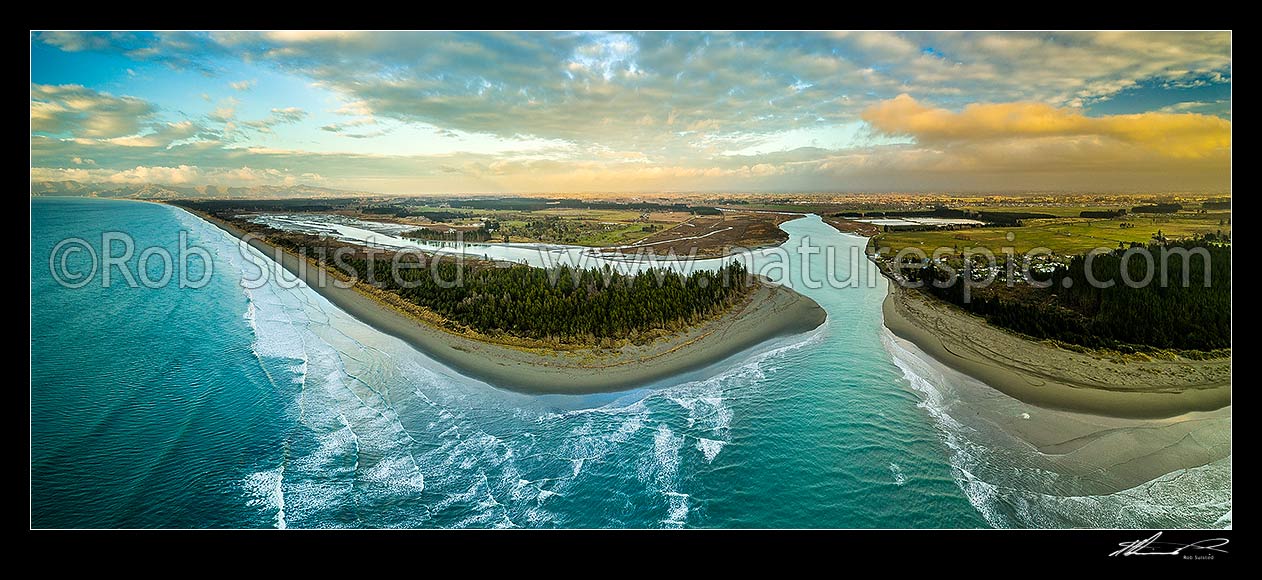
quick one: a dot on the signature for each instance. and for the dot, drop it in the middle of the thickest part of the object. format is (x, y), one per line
(1151, 547)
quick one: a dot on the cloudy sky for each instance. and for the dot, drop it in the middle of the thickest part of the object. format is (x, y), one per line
(621, 112)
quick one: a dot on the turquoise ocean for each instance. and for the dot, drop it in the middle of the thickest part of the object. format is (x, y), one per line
(224, 406)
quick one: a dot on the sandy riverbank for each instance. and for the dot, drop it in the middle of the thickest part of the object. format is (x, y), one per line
(1047, 376)
(771, 311)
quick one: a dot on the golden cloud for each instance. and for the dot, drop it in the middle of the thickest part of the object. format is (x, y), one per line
(1173, 135)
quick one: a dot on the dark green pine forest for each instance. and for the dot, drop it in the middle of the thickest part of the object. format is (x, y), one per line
(580, 306)
(561, 304)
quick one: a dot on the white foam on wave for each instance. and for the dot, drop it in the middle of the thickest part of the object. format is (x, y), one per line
(1223, 521)
(519, 491)
(705, 407)
(332, 448)
(398, 474)
(487, 510)
(265, 489)
(619, 407)
(897, 472)
(666, 447)
(496, 492)
(281, 354)
(662, 470)
(1196, 497)
(627, 429)
(677, 510)
(344, 420)
(277, 334)
(593, 434)
(710, 448)
(276, 341)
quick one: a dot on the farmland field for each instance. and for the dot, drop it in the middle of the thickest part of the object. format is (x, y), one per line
(1070, 235)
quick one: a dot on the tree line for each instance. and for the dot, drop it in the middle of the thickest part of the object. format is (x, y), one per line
(1157, 208)
(1195, 316)
(561, 304)
(474, 236)
(1003, 218)
(1103, 213)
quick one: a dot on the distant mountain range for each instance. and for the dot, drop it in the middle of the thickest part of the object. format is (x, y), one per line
(155, 191)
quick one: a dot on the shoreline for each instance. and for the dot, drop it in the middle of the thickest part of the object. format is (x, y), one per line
(1090, 455)
(1098, 426)
(772, 311)
(1046, 376)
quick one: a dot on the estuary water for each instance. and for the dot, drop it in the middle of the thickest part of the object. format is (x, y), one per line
(224, 406)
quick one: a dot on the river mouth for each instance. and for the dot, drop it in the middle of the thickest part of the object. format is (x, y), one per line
(272, 407)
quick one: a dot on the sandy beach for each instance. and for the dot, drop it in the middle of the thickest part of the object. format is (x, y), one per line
(770, 311)
(1051, 377)
(1086, 426)
(1075, 460)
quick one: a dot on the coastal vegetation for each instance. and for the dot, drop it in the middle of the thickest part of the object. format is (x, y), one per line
(560, 305)
(469, 235)
(1055, 299)
(1182, 300)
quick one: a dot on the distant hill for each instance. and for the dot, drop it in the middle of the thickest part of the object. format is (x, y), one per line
(155, 191)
